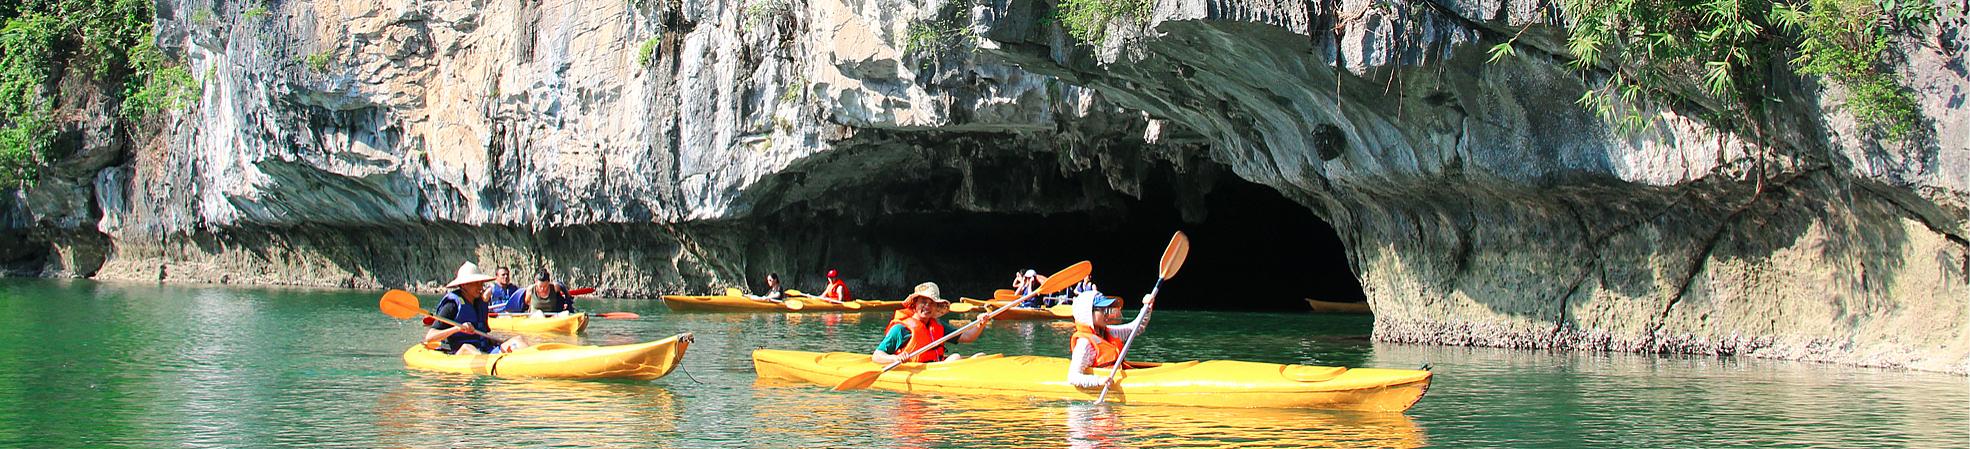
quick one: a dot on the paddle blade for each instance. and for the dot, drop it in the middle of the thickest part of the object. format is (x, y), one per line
(860, 381)
(400, 304)
(1061, 310)
(961, 307)
(794, 304)
(1004, 295)
(792, 292)
(1067, 277)
(1173, 256)
(581, 291)
(734, 292)
(618, 316)
(852, 305)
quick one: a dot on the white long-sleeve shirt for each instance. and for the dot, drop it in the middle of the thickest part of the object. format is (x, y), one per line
(1078, 366)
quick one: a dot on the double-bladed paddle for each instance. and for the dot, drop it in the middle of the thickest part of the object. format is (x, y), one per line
(1067, 277)
(1173, 256)
(794, 303)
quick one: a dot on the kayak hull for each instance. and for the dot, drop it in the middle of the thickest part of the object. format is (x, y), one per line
(728, 303)
(1217, 383)
(571, 324)
(641, 361)
(1337, 307)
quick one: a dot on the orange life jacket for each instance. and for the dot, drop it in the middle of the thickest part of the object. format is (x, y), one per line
(1107, 348)
(920, 335)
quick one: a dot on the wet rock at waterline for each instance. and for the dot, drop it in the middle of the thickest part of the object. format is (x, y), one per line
(650, 147)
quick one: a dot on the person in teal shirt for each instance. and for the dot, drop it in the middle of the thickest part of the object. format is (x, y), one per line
(916, 326)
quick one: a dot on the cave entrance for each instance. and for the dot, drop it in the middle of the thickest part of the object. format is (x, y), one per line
(1251, 247)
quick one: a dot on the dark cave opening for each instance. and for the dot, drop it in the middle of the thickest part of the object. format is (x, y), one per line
(1251, 247)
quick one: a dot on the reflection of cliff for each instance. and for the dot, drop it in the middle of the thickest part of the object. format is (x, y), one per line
(1473, 203)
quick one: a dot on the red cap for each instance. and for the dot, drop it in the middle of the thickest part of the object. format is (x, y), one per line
(831, 273)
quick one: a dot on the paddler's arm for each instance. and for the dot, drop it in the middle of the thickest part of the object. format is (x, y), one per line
(1141, 319)
(891, 343)
(439, 330)
(972, 335)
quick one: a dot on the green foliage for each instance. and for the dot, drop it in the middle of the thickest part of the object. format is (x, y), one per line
(1713, 53)
(318, 61)
(257, 11)
(164, 87)
(203, 17)
(1087, 20)
(648, 52)
(936, 36)
(27, 51)
(1845, 41)
(764, 11)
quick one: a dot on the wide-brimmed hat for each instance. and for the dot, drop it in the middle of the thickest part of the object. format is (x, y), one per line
(1086, 302)
(468, 274)
(927, 290)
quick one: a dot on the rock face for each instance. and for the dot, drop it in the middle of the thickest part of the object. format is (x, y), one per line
(655, 146)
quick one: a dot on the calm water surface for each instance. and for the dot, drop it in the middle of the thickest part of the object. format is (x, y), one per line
(85, 364)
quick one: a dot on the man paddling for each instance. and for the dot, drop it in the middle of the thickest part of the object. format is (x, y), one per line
(922, 325)
(469, 337)
(503, 295)
(1096, 344)
(837, 291)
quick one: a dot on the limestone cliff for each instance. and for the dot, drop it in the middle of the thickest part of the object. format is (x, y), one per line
(651, 146)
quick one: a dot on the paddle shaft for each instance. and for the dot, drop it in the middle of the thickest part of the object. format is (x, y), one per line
(1121, 358)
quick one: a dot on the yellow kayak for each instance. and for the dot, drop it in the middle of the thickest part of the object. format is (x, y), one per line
(570, 324)
(1024, 313)
(1216, 383)
(641, 361)
(730, 303)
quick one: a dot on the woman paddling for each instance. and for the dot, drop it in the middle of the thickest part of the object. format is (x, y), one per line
(470, 336)
(923, 324)
(1096, 344)
(549, 296)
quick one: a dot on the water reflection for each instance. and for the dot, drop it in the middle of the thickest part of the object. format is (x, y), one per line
(997, 422)
(436, 407)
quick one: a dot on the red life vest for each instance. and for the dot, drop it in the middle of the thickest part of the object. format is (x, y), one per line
(1107, 348)
(837, 290)
(920, 335)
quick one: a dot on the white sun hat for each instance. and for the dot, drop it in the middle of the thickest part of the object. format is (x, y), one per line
(468, 274)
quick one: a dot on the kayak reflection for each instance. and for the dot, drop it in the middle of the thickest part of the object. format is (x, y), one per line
(429, 407)
(927, 421)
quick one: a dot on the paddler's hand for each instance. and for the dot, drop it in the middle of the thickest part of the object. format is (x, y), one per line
(466, 328)
(1148, 300)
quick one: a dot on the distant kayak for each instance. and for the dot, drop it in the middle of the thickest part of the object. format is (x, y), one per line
(1337, 307)
(520, 322)
(641, 361)
(1216, 383)
(1026, 313)
(730, 303)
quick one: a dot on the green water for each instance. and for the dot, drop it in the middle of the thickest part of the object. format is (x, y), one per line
(86, 364)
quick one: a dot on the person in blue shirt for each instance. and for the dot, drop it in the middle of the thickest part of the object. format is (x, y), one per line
(466, 305)
(503, 296)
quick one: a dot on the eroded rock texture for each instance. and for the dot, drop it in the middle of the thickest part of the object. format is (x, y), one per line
(654, 146)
